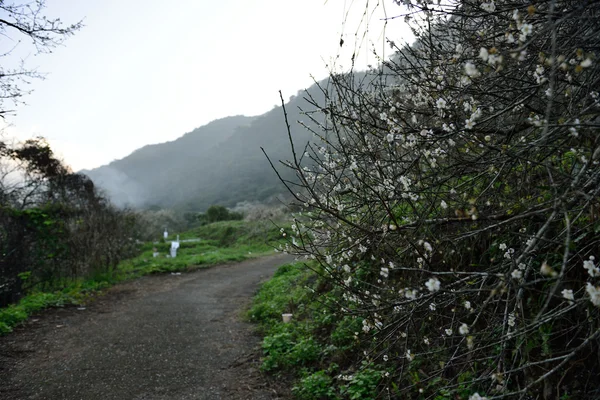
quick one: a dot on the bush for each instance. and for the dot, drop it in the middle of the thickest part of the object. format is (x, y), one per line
(216, 213)
(54, 226)
(363, 384)
(315, 386)
(451, 198)
(277, 347)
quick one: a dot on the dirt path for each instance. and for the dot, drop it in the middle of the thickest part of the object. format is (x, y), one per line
(159, 337)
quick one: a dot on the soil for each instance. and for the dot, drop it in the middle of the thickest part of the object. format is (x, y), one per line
(156, 338)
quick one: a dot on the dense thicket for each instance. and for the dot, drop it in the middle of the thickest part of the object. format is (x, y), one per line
(454, 208)
(54, 226)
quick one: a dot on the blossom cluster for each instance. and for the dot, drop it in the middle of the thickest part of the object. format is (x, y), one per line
(453, 199)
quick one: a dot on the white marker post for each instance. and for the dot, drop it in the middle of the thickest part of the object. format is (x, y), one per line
(174, 247)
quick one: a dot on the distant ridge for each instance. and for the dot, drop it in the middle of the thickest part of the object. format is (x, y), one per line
(218, 163)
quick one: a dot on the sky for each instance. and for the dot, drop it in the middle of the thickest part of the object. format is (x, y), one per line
(142, 72)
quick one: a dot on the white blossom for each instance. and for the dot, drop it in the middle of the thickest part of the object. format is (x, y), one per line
(471, 70)
(366, 327)
(433, 284)
(526, 29)
(594, 293)
(568, 294)
(410, 294)
(483, 54)
(591, 267)
(464, 329)
(586, 63)
(489, 7)
(511, 319)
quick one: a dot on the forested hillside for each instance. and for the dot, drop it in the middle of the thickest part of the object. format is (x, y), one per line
(219, 163)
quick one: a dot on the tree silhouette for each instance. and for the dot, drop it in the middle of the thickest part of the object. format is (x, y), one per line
(26, 27)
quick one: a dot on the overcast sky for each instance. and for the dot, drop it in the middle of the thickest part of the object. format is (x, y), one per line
(148, 71)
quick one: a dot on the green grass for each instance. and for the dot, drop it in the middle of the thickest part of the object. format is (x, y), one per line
(317, 345)
(217, 243)
(286, 345)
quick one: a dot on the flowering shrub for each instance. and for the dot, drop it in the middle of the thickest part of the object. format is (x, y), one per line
(452, 195)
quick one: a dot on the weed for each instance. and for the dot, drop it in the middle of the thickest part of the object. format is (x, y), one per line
(317, 385)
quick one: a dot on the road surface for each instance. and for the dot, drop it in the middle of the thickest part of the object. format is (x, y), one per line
(164, 337)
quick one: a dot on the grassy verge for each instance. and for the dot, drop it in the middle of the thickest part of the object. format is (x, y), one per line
(217, 243)
(317, 349)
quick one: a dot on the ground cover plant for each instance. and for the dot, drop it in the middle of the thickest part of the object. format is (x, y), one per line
(451, 201)
(318, 349)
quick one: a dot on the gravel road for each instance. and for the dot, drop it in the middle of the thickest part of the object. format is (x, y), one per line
(156, 338)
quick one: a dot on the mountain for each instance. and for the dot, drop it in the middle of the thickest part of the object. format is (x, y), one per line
(218, 163)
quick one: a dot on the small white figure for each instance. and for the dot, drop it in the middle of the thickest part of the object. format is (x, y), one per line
(174, 247)
(166, 234)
